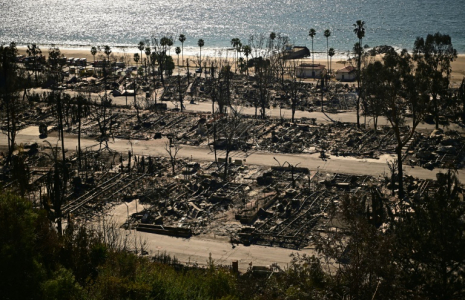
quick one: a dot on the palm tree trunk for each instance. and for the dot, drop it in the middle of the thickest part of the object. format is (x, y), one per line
(359, 64)
(237, 52)
(330, 61)
(313, 60)
(327, 50)
(179, 87)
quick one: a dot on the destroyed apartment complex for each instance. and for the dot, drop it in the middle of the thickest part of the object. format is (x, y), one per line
(254, 157)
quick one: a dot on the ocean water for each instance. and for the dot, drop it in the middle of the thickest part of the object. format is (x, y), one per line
(81, 23)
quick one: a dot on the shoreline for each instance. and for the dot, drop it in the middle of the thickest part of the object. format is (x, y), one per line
(126, 53)
(188, 50)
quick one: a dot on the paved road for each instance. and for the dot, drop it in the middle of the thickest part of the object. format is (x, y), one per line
(346, 117)
(197, 249)
(206, 106)
(347, 165)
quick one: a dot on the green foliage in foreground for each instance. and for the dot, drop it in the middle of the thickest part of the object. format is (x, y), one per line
(36, 263)
(418, 253)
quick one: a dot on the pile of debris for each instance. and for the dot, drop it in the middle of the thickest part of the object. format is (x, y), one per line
(439, 150)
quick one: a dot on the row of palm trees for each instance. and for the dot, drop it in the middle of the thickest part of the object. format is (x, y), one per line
(145, 47)
(106, 49)
(330, 52)
(359, 30)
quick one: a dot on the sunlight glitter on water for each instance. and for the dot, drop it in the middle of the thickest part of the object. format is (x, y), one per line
(121, 22)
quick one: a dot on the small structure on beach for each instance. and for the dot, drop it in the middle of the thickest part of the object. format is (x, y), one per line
(310, 70)
(348, 73)
(296, 52)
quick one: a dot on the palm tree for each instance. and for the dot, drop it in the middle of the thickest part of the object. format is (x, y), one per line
(93, 51)
(241, 64)
(359, 30)
(164, 41)
(201, 43)
(238, 50)
(153, 61)
(331, 53)
(178, 50)
(141, 47)
(34, 50)
(148, 51)
(272, 37)
(236, 43)
(107, 51)
(54, 55)
(327, 34)
(182, 39)
(247, 50)
(99, 49)
(312, 33)
(136, 58)
(170, 43)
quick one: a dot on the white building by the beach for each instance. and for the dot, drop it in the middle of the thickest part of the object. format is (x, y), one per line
(348, 73)
(310, 71)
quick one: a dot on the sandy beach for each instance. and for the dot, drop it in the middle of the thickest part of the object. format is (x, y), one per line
(123, 54)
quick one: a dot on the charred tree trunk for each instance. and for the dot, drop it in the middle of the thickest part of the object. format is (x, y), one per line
(436, 111)
(188, 74)
(179, 91)
(400, 173)
(79, 133)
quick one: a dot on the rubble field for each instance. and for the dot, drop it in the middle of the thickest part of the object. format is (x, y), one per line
(280, 206)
